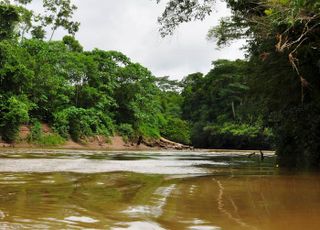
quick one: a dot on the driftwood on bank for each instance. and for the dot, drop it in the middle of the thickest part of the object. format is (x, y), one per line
(167, 144)
(253, 154)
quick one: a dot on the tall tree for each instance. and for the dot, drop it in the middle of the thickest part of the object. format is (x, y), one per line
(57, 14)
(9, 18)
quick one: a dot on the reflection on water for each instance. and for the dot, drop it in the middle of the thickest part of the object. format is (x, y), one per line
(192, 190)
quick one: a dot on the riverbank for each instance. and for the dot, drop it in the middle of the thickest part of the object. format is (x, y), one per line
(95, 143)
(114, 143)
(125, 149)
(49, 139)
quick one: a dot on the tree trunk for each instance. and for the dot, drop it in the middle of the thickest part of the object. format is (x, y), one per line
(53, 30)
(233, 110)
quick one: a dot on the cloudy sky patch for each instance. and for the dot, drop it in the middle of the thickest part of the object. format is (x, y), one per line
(130, 26)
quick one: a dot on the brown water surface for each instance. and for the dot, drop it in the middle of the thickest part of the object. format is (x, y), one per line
(165, 190)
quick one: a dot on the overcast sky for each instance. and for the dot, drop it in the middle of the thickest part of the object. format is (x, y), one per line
(130, 26)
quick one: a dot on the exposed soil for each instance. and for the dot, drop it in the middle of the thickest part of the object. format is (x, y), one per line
(96, 142)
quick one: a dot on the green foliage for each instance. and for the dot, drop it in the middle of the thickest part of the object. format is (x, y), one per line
(37, 136)
(50, 140)
(218, 107)
(14, 112)
(80, 123)
(59, 15)
(78, 93)
(72, 44)
(177, 12)
(238, 136)
(35, 132)
(146, 130)
(9, 18)
(19, 21)
(172, 126)
(16, 66)
(224, 87)
(136, 96)
(126, 131)
(176, 130)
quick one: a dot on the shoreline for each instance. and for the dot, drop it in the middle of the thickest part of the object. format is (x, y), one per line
(138, 149)
(116, 143)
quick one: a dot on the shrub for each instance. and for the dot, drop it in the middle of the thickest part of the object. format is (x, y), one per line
(14, 112)
(126, 131)
(176, 130)
(35, 132)
(37, 137)
(61, 123)
(237, 135)
(148, 131)
(80, 123)
(50, 140)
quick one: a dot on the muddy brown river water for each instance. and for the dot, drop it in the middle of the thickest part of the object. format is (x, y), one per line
(56, 189)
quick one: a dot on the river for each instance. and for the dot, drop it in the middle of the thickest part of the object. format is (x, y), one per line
(77, 189)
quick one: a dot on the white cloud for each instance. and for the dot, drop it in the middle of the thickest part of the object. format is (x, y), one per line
(130, 26)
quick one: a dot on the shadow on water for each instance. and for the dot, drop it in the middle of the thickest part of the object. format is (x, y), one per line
(76, 190)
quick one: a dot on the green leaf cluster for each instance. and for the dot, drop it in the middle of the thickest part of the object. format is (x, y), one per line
(220, 110)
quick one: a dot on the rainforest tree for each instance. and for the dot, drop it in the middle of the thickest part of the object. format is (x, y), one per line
(218, 106)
